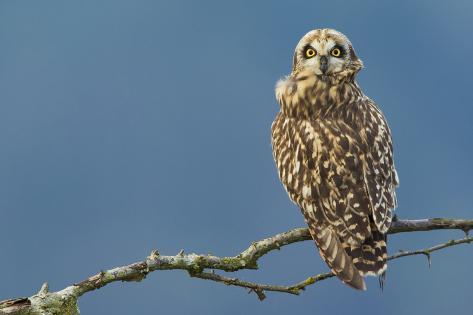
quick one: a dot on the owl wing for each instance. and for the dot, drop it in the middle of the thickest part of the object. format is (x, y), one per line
(347, 169)
(380, 174)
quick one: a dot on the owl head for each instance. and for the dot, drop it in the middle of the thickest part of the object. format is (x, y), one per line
(326, 52)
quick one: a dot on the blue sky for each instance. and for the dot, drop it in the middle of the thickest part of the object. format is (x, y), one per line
(132, 125)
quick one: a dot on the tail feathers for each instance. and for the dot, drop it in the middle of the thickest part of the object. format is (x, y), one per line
(333, 253)
(370, 257)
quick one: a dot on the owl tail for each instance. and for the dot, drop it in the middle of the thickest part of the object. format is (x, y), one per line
(333, 253)
(370, 258)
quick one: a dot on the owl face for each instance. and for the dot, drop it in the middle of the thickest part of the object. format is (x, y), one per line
(326, 52)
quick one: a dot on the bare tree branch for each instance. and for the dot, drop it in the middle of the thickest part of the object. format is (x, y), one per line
(426, 251)
(430, 224)
(296, 288)
(65, 301)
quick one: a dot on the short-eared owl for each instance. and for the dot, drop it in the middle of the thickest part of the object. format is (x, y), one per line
(334, 154)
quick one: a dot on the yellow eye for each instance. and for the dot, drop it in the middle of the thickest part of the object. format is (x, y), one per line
(310, 52)
(336, 52)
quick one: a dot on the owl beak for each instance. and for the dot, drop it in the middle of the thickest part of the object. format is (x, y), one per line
(323, 64)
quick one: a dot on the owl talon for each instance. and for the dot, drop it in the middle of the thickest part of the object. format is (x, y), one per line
(382, 280)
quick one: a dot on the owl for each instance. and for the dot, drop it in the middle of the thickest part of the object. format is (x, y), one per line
(334, 154)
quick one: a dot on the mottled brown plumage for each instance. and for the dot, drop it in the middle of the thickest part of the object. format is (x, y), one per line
(333, 151)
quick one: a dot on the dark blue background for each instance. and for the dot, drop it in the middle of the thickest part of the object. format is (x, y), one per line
(132, 125)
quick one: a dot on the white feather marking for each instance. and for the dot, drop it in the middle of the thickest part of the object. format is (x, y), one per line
(306, 191)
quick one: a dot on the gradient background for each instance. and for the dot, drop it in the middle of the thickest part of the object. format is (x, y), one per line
(132, 125)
